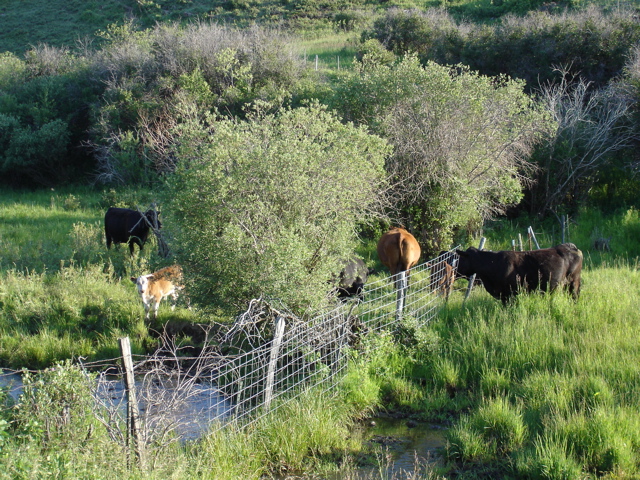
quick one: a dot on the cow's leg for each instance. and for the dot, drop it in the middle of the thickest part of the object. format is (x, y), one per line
(573, 285)
(174, 298)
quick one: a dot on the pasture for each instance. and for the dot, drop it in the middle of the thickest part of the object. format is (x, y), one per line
(542, 388)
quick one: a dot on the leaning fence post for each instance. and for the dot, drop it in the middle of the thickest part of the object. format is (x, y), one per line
(273, 361)
(472, 278)
(533, 236)
(133, 414)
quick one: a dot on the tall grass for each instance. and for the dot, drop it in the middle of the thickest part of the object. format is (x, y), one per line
(561, 376)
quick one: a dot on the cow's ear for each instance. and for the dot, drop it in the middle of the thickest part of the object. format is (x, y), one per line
(134, 279)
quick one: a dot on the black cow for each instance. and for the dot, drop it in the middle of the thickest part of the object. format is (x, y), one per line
(352, 278)
(504, 274)
(123, 225)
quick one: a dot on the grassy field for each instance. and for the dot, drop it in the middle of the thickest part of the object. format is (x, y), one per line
(543, 388)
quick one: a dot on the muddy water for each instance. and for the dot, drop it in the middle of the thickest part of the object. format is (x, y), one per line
(406, 448)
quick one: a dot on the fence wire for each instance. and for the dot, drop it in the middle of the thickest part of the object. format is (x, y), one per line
(271, 356)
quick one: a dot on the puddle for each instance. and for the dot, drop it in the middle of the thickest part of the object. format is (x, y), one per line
(406, 446)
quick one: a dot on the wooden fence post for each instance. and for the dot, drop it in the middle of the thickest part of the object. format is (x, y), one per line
(401, 285)
(133, 415)
(472, 278)
(273, 361)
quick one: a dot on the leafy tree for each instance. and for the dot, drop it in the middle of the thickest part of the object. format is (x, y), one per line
(461, 141)
(269, 206)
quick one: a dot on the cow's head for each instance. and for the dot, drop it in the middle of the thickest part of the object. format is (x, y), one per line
(152, 217)
(142, 282)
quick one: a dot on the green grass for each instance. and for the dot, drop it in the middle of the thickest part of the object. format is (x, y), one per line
(542, 388)
(62, 293)
(28, 23)
(564, 375)
(334, 52)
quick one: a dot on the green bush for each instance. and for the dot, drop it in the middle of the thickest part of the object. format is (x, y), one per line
(55, 403)
(444, 178)
(269, 207)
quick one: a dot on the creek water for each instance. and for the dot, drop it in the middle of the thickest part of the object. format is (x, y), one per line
(404, 447)
(191, 417)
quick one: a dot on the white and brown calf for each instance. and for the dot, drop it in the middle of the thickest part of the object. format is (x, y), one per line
(158, 285)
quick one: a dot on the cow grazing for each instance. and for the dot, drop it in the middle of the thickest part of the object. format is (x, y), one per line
(352, 278)
(158, 285)
(123, 225)
(398, 250)
(506, 273)
(442, 274)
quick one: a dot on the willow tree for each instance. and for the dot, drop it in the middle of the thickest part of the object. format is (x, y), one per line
(269, 206)
(461, 140)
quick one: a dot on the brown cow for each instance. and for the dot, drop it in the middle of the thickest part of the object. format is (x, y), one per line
(398, 250)
(506, 273)
(442, 274)
(158, 285)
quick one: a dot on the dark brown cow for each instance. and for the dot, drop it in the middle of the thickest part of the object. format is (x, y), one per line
(158, 285)
(123, 225)
(506, 273)
(398, 250)
(442, 274)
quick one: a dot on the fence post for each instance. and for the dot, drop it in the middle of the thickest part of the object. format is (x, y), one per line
(273, 361)
(520, 242)
(401, 286)
(533, 236)
(563, 222)
(472, 278)
(133, 414)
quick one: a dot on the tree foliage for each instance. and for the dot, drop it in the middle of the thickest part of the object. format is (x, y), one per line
(461, 140)
(269, 206)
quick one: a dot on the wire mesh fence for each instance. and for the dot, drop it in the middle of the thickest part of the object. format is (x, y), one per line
(271, 357)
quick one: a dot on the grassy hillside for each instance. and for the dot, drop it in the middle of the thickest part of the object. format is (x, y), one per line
(26, 23)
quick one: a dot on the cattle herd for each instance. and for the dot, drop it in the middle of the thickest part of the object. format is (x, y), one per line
(503, 274)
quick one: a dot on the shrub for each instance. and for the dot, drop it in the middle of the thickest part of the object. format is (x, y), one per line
(268, 207)
(56, 402)
(444, 177)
